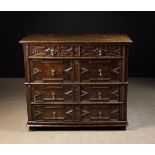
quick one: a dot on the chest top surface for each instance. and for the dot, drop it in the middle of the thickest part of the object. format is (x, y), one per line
(79, 38)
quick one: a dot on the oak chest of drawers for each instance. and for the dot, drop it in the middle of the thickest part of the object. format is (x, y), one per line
(76, 80)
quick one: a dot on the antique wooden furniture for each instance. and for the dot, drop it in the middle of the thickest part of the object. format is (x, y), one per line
(76, 80)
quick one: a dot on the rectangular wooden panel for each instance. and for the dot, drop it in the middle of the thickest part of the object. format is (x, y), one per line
(100, 94)
(53, 113)
(75, 113)
(52, 94)
(54, 50)
(100, 70)
(51, 70)
(100, 50)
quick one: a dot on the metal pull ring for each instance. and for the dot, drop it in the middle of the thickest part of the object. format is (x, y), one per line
(54, 114)
(53, 72)
(53, 95)
(99, 95)
(100, 72)
(100, 114)
(100, 52)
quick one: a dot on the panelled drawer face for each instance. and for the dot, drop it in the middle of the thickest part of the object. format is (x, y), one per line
(51, 70)
(70, 50)
(100, 50)
(54, 50)
(52, 94)
(99, 94)
(100, 70)
(75, 113)
(90, 113)
(53, 113)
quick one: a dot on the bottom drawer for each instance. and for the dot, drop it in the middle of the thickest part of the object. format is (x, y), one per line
(75, 113)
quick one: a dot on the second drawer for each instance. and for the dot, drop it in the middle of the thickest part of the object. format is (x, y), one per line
(79, 94)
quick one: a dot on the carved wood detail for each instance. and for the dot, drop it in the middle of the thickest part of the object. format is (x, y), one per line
(52, 93)
(69, 93)
(115, 70)
(116, 93)
(36, 95)
(78, 113)
(95, 93)
(83, 93)
(100, 50)
(83, 70)
(76, 80)
(110, 115)
(38, 113)
(68, 70)
(36, 71)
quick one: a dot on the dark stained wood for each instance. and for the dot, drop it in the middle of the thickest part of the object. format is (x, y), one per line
(59, 114)
(76, 80)
(77, 38)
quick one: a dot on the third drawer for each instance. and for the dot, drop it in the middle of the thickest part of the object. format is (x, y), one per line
(79, 94)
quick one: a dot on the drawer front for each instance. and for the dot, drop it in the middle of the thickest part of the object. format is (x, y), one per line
(51, 70)
(97, 113)
(73, 50)
(75, 113)
(100, 70)
(52, 94)
(100, 94)
(100, 50)
(53, 113)
(55, 50)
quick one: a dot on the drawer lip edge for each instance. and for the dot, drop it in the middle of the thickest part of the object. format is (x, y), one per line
(108, 123)
(114, 57)
(55, 83)
(94, 103)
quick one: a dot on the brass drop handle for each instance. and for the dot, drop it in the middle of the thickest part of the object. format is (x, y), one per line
(100, 114)
(53, 95)
(100, 52)
(99, 95)
(100, 72)
(76, 49)
(53, 72)
(52, 52)
(54, 114)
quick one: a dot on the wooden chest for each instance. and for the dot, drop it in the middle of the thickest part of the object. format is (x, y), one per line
(76, 80)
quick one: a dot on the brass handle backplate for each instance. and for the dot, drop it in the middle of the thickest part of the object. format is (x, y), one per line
(100, 52)
(99, 95)
(100, 72)
(53, 72)
(53, 94)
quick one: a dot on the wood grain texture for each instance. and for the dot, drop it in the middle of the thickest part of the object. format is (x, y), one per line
(63, 38)
(76, 80)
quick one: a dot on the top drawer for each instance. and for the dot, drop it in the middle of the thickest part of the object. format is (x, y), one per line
(75, 50)
(54, 50)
